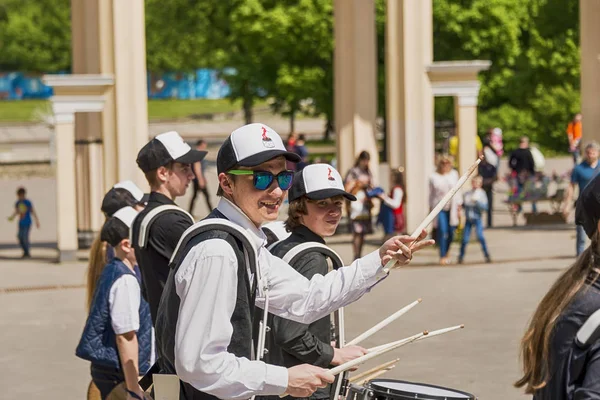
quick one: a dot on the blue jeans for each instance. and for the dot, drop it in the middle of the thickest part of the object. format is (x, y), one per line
(581, 239)
(445, 232)
(533, 203)
(23, 236)
(467, 234)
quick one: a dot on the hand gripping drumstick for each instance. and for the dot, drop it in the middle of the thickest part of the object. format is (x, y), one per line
(383, 323)
(431, 334)
(386, 365)
(442, 203)
(352, 363)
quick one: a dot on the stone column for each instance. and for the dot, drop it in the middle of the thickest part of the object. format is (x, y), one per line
(109, 38)
(589, 14)
(410, 118)
(66, 216)
(355, 83)
(465, 116)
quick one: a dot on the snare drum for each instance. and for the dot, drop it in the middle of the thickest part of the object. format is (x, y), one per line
(389, 389)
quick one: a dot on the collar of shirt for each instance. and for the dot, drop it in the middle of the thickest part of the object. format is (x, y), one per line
(156, 197)
(306, 235)
(237, 216)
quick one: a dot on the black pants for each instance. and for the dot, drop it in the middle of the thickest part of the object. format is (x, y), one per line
(106, 379)
(204, 191)
(490, 198)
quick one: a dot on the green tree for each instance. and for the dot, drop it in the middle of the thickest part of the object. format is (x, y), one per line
(35, 35)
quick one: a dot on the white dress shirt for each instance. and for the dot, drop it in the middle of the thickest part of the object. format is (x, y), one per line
(206, 283)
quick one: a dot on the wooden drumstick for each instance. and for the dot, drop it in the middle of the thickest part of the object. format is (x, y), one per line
(431, 334)
(383, 323)
(352, 363)
(375, 375)
(436, 210)
(373, 370)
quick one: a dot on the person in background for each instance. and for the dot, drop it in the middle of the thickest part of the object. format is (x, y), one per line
(582, 174)
(495, 138)
(488, 170)
(474, 203)
(358, 181)
(302, 151)
(290, 145)
(441, 182)
(561, 359)
(117, 338)
(575, 134)
(391, 213)
(522, 166)
(199, 169)
(24, 210)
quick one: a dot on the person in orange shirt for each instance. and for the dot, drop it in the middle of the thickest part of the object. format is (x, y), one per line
(574, 134)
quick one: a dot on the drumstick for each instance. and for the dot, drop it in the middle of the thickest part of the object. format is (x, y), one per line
(352, 363)
(373, 370)
(383, 323)
(436, 210)
(375, 375)
(431, 334)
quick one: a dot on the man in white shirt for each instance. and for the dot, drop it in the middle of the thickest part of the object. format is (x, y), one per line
(205, 319)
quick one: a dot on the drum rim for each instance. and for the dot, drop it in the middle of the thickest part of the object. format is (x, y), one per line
(373, 384)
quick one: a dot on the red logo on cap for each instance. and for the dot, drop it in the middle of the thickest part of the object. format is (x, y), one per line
(331, 178)
(266, 141)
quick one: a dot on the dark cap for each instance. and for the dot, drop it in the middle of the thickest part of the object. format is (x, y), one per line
(587, 209)
(318, 182)
(250, 146)
(117, 227)
(123, 194)
(165, 148)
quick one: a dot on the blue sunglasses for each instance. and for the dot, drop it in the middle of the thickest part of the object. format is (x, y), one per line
(263, 179)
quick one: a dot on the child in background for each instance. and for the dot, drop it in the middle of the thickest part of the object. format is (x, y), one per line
(496, 141)
(391, 214)
(474, 203)
(24, 209)
(118, 337)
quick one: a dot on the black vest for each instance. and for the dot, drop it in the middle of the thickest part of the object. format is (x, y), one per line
(241, 344)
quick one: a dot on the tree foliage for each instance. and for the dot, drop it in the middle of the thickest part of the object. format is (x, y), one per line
(283, 50)
(35, 35)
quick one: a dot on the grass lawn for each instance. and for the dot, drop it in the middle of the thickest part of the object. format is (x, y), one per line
(24, 110)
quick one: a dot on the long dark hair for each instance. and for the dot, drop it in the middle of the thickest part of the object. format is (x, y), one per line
(363, 156)
(535, 344)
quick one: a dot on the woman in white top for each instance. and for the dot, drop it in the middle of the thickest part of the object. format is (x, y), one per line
(440, 183)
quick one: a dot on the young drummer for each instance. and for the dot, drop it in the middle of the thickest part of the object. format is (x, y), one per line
(205, 325)
(167, 164)
(117, 337)
(316, 198)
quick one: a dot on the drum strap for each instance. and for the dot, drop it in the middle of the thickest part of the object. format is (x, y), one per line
(151, 217)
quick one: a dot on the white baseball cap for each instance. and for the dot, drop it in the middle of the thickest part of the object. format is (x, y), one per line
(318, 182)
(251, 145)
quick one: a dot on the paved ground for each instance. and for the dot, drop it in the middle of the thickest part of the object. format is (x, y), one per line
(42, 307)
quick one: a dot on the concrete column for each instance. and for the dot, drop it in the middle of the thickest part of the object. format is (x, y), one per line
(66, 215)
(589, 14)
(410, 118)
(109, 38)
(131, 97)
(355, 66)
(465, 116)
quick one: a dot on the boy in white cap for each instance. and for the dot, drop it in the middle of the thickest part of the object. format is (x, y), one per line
(167, 164)
(316, 200)
(205, 323)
